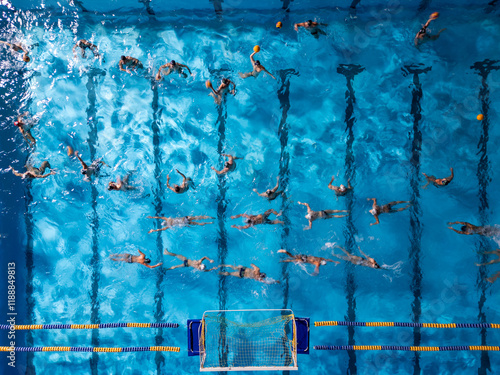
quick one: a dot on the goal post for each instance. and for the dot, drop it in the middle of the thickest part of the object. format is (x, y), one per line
(248, 340)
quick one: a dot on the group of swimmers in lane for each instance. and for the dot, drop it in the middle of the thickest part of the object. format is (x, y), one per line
(128, 63)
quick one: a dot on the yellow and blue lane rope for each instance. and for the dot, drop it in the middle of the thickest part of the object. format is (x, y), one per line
(399, 324)
(90, 349)
(89, 326)
(408, 348)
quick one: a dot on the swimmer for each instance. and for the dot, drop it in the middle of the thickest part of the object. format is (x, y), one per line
(18, 48)
(252, 220)
(357, 260)
(469, 229)
(385, 209)
(300, 258)
(90, 170)
(257, 69)
(170, 222)
(229, 165)
(129, 258)
(340, 190)
(179, 189)
(197, 264)
(24, 128)
(121, 185)
(34, 172)
(324, 214)
(312, 27)
(423, 35)
(223, 89)
(271, 194)
(247, 273)
(496, 252)
(129, 62)
(172, 67)
(493, 278)
(84, 44)
(438, 181)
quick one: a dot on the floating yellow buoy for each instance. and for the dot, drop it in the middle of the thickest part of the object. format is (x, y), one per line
(208, 84)
(434, 15)
(256, 49)
(70, 151)
(480, 117)
(279, 25)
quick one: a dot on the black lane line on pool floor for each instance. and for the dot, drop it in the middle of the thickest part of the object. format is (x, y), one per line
(158, 195)
(284, 172)
(483, 68)
(349, 71)
(415, 211)
(221, 232)
(95, 262)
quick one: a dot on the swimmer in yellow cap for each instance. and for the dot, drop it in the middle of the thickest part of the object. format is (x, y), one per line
(18, 48)
(224, 88)
(257, 68)
(312, 27)
(423, 35)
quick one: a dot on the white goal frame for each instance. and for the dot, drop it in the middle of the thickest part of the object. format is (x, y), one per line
(203, 354)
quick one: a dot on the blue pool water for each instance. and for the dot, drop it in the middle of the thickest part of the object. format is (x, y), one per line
(361, 102)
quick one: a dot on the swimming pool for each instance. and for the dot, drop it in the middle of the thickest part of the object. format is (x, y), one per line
(361, 102)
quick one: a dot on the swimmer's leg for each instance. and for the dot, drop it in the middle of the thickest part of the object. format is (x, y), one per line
(158, 230)
(157, 217)
(271, 211)
(200, 224)
(335, 211)
(201, 217)
(246, 75)
(174, 267)
(434, 37)
(396, 203)
(276, 222)
(490, 262)
(239, 227)
(493, 278)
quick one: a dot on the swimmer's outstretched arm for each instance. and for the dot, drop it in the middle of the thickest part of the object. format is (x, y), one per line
(374, 201)
(287, 253)
(207, 258)
(262, 195)
(158, 217)
(460, 231)
(240, 227)
(45, 175)
(490, 262)
(234, 87)
(223, 171)
(265, 70)
(277, 185)
(377, 221)
(330, 186)
(185, 66)
(16, 172)
(310, 225)
(429, 180)
(168, 184)
(156, 265)
(451, 176)
(158, 230)
(251, 58)
(271, 211)
(80, 159)
(307, 205)
(158, 75)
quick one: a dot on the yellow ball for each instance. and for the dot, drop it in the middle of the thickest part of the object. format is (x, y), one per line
(279, 25)
(256, 49)
(208, 84)
(435, 15)
(480, 117)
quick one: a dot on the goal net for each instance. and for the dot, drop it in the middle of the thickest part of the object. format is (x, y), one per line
(248, 340)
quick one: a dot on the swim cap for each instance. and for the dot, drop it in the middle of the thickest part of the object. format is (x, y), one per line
(257, 62)
(202, 267)
(323, 262)
(147, 260)
(173, 62)
(262, 275)
(17, 123)
(225, 81)
(122, 58)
